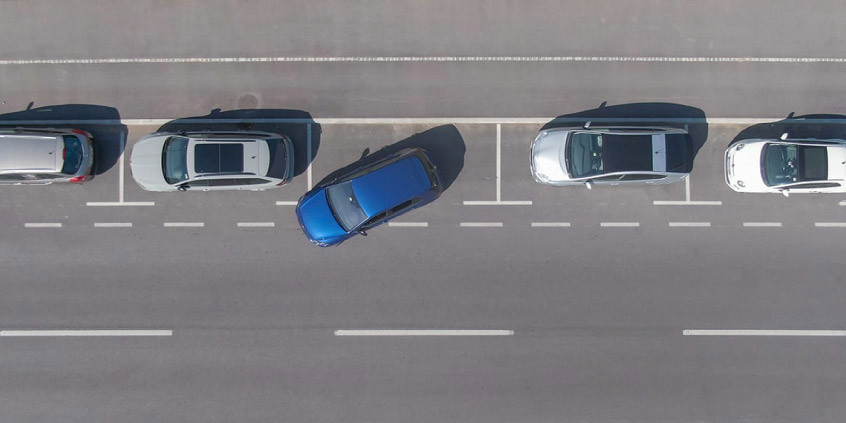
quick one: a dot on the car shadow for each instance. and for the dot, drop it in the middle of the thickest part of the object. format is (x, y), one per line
(819, 126)
(292, 123)
(102, 122)
(642, 114)
(444, 145)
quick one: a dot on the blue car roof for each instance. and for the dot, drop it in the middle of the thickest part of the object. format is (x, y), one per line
(391, 185)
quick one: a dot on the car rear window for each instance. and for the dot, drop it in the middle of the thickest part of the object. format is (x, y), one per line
(219, 158)
(72, 154)
(278, 159)
(677, 152)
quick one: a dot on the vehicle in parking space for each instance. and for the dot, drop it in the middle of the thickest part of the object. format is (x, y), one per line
(611, 155)
(786, 165)
(365, 197)
(42, 156)
(210, 161)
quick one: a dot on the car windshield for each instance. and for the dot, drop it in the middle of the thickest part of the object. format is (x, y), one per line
(175, 160)
(72, 155)
(786, 164)
(585, 152)
(345, 206)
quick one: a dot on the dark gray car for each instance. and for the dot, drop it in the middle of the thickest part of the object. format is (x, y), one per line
(41, 156)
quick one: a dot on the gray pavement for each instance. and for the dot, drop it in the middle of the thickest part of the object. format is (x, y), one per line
(597, 312)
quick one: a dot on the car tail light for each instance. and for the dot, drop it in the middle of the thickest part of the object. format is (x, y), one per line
(79, 131)
(78, 179)
(64, 153)
(283, 183)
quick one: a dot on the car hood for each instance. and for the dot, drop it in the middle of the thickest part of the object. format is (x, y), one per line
(547, 153)
(745, 165)
(317, 219)
(146, 164)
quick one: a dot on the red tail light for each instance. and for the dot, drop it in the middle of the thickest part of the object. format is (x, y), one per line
(64, 153)
(78, 179)
(79, 131)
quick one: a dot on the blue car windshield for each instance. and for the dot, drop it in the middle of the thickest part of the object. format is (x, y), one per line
(175, 160)
(345, 206)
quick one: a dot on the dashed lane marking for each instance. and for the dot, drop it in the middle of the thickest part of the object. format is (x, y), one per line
(409, 224)
(113, 224)
(690, 224)
(497, 203)
(184, 224)
(830, 224)
(120, 203)
(752, 332)
(762, 224)
(286, 203)
(42, 225)
(550, 224)
(422, 332)
(687, 203)
(481, 224)
(619, 224)
(109, 332)
(256, 224)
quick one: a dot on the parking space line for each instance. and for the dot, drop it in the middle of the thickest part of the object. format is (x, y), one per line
(550, 224)
(842, 203)
(690, 224)
(184, 224)
(481, 224)
(497, 203)
(422, 332)
(98, 332)
(749, 332)
(830, 224)
(308, 156)
(286, 203)
(498, 162)
(121, 170)
(687, 203)
(409, 224)
(619, 224)
(113, 224)
(42, 225)
(762, 224)
(119, 204)
(256, 224)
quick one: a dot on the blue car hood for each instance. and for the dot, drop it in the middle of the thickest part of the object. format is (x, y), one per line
(318, 221)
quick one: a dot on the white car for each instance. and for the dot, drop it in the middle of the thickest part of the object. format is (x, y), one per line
(787, 165)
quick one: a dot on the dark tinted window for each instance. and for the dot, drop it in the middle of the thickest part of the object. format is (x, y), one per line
(72, 154)
(784, 163)
(817, 185)
(641, 177)
(10, 177)
(677, 152)
(626, 153)
(174, 160)
(197, 184)
(610, 178)
(376, 219)
(278, 159)
(404, 206)
(253, 181)
(219, 158)
(585, 152)
(224, 182)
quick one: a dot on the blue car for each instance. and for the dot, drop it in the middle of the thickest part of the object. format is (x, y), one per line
(368, 196)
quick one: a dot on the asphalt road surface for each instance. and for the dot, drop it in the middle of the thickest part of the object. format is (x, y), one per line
(508, 301)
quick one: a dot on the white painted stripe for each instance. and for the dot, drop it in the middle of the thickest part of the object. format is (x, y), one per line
(690, 224)
(422, 332)
(481, 224)
(748, 332)
(409, 224)
(286, 203)
(113, 224)
(550, 224)
(42, 225)
(184, 224)
(830, 224)
(497, 203)
(422, 59)
(619, 224)
(498, 162)
(686, 188)
(762, 224)
(110, 332)
(842, 203)
(256, 224)
(308, 156)
(121, 170)
(119, 204)
(687, 203)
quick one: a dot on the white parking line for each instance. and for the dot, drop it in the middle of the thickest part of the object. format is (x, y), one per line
(119, 204)
(184, 224)
(748, 332)
(113, 224)
(409, 224)
(42, 225)
(619, 224)
(121, 171)
(422, 59)
(762, 224)
(842, 203)
(286, 203)
(690, 224)
(498, 162)
(550, 224)
(308, 156)
(830, 224)
(687, 203)
(481, 224)
(422, 332)
(256, 224)
(497, 203)
(109, 332)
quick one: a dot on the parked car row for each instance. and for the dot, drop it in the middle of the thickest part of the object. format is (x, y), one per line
(373, 193)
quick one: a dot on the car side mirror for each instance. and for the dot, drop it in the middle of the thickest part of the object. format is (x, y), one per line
(182, 188)
(785, 192)
(589, 184)
(362, 233)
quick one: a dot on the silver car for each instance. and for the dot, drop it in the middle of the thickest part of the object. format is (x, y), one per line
(42, 156)
(611, 155)
(211, 161)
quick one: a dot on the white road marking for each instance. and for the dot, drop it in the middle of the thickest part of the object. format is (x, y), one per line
(497, 203)
(550, 224)
(184, 224)
(498, 162)
(42, 225)
(830, 224)
(113, 224)
(762, 224)
(256, 224)
(481, 224)
(422, 332)
(687, 203)
(109, 332)
(119, 204)
(120, 166)
(687, 189)
(619, 224)
(752, 332)
(842, 203)
(286, 203)
(409, 224)
(690, 224)
(308, 156)
(422, 59)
